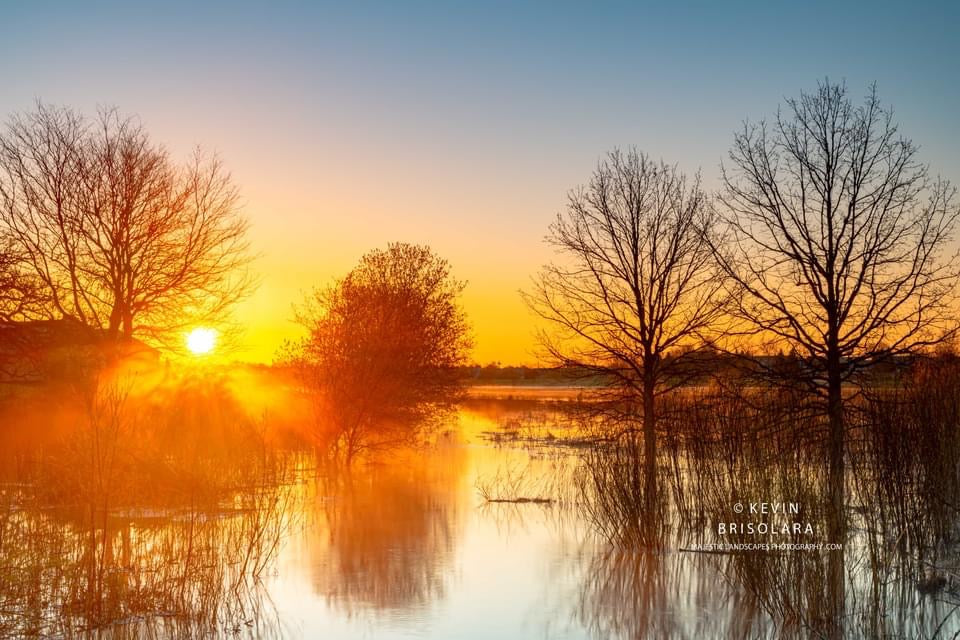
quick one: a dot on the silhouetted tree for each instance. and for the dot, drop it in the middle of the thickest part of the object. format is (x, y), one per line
(116, 235)
(19, 295)
(383, 347)
(837, 233)
(636, 282)
(19, 301)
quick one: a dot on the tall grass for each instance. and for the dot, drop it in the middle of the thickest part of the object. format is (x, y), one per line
(721, 447)
(149, 516)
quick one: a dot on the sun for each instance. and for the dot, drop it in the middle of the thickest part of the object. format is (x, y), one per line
(201, 340)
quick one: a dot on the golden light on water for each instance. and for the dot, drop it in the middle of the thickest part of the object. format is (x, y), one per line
(201, 340)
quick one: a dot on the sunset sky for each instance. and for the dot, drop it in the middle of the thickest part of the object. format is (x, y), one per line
(350, 125)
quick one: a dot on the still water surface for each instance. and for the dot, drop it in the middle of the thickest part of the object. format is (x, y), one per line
(411, 550)
(405, 547)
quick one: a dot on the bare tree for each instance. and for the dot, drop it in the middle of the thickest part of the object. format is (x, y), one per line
(383, 347)
(117, 235)
(19, 300)
(637, 287)
(20, 297)
(836, 235)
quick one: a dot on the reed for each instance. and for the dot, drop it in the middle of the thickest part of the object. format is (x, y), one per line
(722, 446)
(152, 519)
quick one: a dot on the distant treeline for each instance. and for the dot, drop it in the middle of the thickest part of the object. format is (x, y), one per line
(507, 375)
(698, 369)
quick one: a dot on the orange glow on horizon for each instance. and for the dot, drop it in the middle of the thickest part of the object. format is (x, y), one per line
(504, 330)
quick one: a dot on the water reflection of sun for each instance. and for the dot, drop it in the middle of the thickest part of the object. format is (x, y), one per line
(201, 340)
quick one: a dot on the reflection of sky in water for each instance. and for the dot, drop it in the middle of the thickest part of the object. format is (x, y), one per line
(497, 576)
(413, 552)
(406, 548)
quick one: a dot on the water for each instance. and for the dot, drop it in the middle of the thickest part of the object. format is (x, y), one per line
(414, 552)
(405, 546)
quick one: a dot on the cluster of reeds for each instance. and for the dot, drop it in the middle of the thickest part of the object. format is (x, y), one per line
(150, 517)
(721, 447)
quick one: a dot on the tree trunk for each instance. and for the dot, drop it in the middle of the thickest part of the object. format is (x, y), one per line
(836, 447)
(127, 323)
(837, 513)
(116, 320)
(649, 437)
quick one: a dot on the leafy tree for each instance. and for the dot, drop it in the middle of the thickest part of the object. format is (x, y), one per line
(383, 346)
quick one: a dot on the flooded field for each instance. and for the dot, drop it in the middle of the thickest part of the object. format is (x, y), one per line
(482, 533)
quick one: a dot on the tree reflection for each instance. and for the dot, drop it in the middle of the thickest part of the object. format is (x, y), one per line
(892, 576)
(391, 531)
